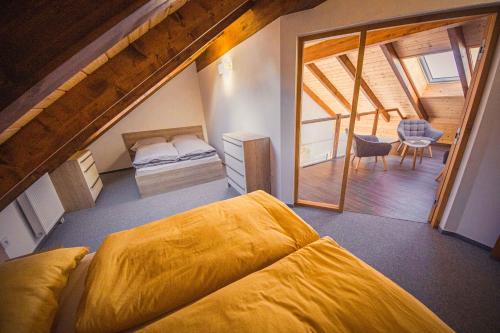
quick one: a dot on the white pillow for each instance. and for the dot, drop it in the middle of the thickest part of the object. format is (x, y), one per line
(192, 147)
(156, 152)
(184, 137)
(147, 141)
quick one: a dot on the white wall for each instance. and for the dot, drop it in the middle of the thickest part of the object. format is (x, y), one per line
(176, 104)
(474, 211)
(328, 16)
(248, 97)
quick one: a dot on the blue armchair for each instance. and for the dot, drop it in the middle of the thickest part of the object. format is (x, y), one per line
(417, 129)
(369, 146)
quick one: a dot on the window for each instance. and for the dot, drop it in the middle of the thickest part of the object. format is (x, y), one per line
(439, 67)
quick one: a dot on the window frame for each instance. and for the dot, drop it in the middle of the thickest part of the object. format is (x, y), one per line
(427, 72)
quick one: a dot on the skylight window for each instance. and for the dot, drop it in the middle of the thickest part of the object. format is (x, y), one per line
(439, 67)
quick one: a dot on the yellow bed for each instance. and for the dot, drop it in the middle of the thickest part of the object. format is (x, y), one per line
(247, 264)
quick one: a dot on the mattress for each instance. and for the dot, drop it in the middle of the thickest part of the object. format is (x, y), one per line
(176, 165)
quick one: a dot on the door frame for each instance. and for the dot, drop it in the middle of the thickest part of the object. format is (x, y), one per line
(471, 105)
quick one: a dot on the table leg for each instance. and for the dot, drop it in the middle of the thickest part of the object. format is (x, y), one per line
(414, 157)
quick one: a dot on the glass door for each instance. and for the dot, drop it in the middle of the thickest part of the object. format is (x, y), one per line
(327, 103)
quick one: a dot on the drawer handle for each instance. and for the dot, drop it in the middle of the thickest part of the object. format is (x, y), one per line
(90, 166)
(95, 182)
(86, 158)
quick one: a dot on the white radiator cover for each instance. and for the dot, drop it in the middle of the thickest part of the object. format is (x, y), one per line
(41, 206)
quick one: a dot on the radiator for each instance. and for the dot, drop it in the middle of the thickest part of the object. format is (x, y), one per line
(41, 206)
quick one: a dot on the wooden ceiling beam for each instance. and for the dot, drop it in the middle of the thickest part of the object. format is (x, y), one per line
(51, 46)
(404, 79)
(365, 88)
(342, 45)
(461, 57)
(110, 92)
(329, 86)
(262, 13)
(318, 100)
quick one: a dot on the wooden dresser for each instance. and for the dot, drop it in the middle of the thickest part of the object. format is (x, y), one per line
(77, 181)
(247, 159)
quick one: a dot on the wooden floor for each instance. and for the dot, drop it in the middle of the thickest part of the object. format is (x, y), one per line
(399, 192)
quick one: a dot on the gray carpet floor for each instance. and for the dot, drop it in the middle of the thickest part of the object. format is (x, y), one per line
(456, 280)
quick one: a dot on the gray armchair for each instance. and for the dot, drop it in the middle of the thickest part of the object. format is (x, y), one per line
(417, 129)
(369, 146)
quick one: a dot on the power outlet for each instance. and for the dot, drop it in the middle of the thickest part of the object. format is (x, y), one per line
(5, 242)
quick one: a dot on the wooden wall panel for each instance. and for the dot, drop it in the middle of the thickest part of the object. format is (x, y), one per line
(474, 32)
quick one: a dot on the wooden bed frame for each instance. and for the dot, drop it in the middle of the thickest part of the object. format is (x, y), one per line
(169, 180)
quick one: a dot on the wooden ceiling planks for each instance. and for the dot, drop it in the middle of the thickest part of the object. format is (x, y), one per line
(57, 38)
(329, 86)
(67, 124)
(403, 78)
(365, 88)
(337, 46)
(263, 13)
(461, 56)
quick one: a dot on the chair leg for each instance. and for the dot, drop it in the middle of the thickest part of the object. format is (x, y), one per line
(430, 151)
(414, 157)
(403, 154)
(353, 158)
(385, 163)
(376, 159)
(440, 175)
(357, 164)
(399, 146)
(405, 148)
(421, 154)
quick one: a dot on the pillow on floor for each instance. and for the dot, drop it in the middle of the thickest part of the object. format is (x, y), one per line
(30, 289)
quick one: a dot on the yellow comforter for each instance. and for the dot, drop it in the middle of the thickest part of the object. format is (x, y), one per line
(142, 273)
(319, 288)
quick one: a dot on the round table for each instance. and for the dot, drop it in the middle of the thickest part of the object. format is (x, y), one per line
(418, 147)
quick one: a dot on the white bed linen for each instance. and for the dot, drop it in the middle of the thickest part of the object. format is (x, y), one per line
(155, 153)
(175, 165)
(190, 147)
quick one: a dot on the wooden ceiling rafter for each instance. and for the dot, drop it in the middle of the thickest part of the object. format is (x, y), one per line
(318, 74)
(461, 56)
(39, 72)
(365, 88)
(318, 100)
(404, 79)
(106, 95)
(342, 45)
(263, 13)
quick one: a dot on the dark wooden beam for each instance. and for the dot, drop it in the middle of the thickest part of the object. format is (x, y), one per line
(318, 100)
(461, 57)
(404, 80)
(365, 88)
(263, 13)
(110, 93)
(45, 43)
(336, 46)
(329, 85)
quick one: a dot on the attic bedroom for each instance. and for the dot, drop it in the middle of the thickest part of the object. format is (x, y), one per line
(249, 166)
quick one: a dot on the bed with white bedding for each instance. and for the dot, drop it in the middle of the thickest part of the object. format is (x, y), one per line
(170, 159)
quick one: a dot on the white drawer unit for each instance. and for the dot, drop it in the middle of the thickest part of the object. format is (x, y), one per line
(77, 181)
(247, 159)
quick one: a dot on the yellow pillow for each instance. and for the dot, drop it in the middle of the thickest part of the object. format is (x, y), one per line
(30, 288)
